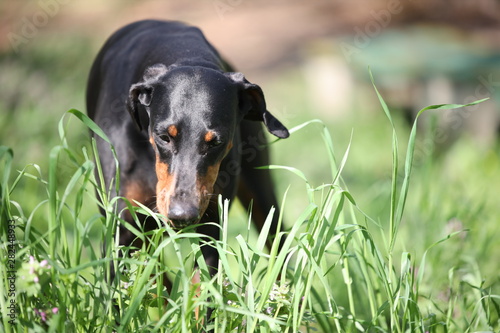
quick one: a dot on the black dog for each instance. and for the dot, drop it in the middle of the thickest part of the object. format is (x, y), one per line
(185, 127)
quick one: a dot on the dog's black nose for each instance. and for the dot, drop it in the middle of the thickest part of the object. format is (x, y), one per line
(182, 215)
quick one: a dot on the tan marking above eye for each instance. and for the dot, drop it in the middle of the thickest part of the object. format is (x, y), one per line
(209, 136)
(172, 131)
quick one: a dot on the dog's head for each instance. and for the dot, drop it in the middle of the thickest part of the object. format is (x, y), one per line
(191, 114)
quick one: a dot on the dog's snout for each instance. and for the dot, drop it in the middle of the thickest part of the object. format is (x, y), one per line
(182, 214)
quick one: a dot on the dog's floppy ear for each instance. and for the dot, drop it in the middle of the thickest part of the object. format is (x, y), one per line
(141, 93)
(253, 105)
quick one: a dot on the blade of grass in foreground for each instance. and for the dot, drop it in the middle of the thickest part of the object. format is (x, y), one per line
(410, 153)
(397, 203)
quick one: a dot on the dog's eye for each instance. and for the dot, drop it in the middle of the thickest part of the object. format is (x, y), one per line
(165, 138)
(214, 143)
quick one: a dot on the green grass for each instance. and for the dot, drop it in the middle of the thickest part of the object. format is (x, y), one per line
(420, 266)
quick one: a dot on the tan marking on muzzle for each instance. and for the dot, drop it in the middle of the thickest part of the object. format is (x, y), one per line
(165, 185)
(206, 185)
(164, 188)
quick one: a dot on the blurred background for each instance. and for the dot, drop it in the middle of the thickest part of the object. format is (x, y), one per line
(311, 59)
